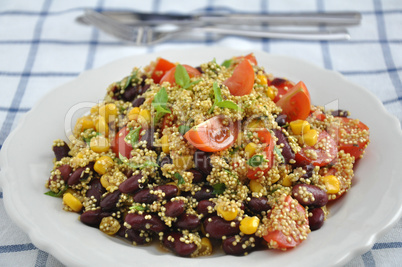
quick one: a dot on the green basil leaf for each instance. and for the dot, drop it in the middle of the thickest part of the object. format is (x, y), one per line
(181, 76)
(256, 160)
(190, 84)
(133, 136)
(218, 188)
(137, 208)
(130, 79)
(228, 104)
(227, 63)
(160, 104)
(180, 179)
(218, 96)
(59, 194)
(183, 129)
(277, 151)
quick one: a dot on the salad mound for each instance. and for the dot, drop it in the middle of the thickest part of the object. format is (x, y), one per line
(201, 158)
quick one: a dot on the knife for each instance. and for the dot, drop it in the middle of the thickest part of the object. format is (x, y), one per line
(346, 18)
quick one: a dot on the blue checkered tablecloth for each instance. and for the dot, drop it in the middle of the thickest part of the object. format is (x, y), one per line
(41, 47)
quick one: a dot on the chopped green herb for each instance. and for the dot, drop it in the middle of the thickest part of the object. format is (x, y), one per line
(133, 136)
(234, 150)
(58, 194)
(130, 79)
(228, 104)
(182, 78)
(137, 207)
(183, 129)
(218, 188)
(180, 179)
(256, 160)
(160, 104)
(219, 101)
(277, 151)
(227, 63)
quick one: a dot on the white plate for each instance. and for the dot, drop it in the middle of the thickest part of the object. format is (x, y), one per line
(373, 204)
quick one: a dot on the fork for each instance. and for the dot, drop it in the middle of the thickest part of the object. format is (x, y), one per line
(150, 35)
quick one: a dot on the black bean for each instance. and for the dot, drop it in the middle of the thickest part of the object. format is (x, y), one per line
(143, 88)
(247, 244)
(198, 176)
(93, 217)
(96, 190)
(173, 243)
(130, 93)
(218, 227)
(281, 119)
(130, 185)
(258, 205)
(317, 220)
(110, 201)
(138, 101)
(61, 151)
(340, 113)
(202, 162)
(65, 171)
(203, 207)
(145, 222)
(282, 141)
(319, 197)
(309, 168)
(174, 208)
(187, 222)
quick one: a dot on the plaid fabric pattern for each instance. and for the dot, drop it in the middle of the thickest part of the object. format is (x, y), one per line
(41, 47)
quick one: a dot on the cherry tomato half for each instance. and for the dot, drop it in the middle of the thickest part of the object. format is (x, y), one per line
(242, 80)
(161, 67)
(282, 85)
(296, 103)
(265, 137)
(119, 145)
(169, 75)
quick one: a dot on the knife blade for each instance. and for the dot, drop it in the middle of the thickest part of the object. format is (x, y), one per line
(346, 18)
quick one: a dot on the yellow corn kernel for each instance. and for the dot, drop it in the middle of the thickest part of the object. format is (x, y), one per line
(102, 164)
(145, 115)
(299, 126)
(101, 126)
(227, 213)
(109, 225)
(255, 186)
(255, 124)
(99, 144)
(286, 181)
(250, 149)
(73, 202)
(310, 137)
(133, 114)
(105, 181)
(83, 124)
(331, 183)
(271, 93)
(108, 111)
(263, 79)
(183, 162)
(80, 155)
(165, 144)
(206, 246)
(249, 225)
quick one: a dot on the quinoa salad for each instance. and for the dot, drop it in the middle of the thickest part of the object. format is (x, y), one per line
(220, 156)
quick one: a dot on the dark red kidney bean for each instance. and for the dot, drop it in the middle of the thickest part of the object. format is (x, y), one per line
(93, 217)
(144, 196)
(204, 193)
(137, 237)
(187, 222)
(96, 190)
(218, 227)
(309, 168)
(143, 88)
(110, 201)
(138, 102)
(61, 151)
(149, 137)
(76, 176)
(202, 162)
(319, 195)
(169, 190)
(258, 205)
(287, 151)
(198, 176)
(203, 207)
(173, 243)
(130, 185)
(145, 222)
(65, 171)
(340, 113)
(165, 160)
(130, 93)
(174, 208)
(241, 247)
(317, 220)
(281, 119)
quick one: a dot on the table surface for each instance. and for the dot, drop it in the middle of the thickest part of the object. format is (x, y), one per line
(42, 46)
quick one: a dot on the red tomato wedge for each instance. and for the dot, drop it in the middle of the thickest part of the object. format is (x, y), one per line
(161, 67)
(250, 57)
(265, 137)
(213, 135)
(352, 136)
(321, 154)
(169, 75)
(290, 216)
(242, 80)
(296, 103)
(119, 146)
(282, 85)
